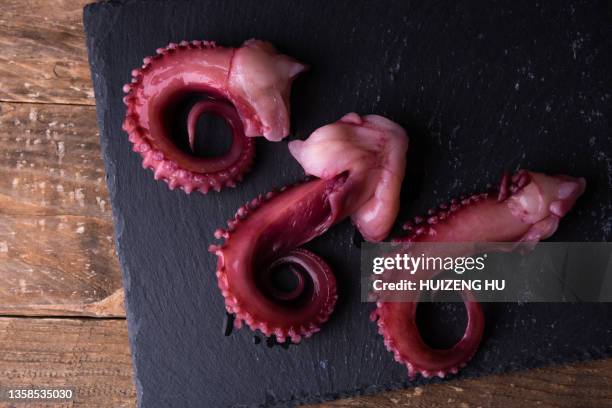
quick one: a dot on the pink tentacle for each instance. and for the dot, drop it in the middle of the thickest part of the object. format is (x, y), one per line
(526, 208)
(397, 324)
(248, 86)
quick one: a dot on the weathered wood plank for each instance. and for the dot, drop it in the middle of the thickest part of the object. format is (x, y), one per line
(42, 52)
(56, 236)
(50, 160)
(577, 385)
(54, 222)
(92, 355)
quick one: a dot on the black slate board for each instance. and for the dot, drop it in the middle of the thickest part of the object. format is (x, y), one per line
(480, 87)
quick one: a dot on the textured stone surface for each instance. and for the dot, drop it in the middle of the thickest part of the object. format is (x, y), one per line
(480, 88)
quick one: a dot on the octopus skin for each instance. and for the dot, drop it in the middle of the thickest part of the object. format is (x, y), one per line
(372, 149)
(527, 208)
(268, 231)
(248, 86)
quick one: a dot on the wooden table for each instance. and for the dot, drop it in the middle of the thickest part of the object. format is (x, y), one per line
(61, 302)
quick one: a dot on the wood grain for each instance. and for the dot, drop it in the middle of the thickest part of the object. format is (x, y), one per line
(42, 52)
(92, 355)
(57, 255)
(56, 236)
(566, 386)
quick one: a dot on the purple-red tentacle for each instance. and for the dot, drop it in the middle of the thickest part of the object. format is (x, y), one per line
(248, 86)
(265, 235)
(526, 208)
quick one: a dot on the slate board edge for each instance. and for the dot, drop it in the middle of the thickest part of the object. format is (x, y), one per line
(101, 93)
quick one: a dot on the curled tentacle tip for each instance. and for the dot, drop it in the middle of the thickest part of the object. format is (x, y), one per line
(259, 104)
(303, 264)
(526, 209)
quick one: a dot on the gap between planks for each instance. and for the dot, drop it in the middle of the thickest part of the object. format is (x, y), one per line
(29, 102)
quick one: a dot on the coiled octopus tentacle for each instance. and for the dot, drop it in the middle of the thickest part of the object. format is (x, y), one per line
(265, 233)
(248, 87)
(397, 324)
(526, 208)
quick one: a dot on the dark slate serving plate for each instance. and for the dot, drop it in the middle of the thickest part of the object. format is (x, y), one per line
(480, 87)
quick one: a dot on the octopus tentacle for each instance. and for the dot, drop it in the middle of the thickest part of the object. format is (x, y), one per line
(265, 233)
(397, 324)
(245, 261)
(248, 87)
(526, 208)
